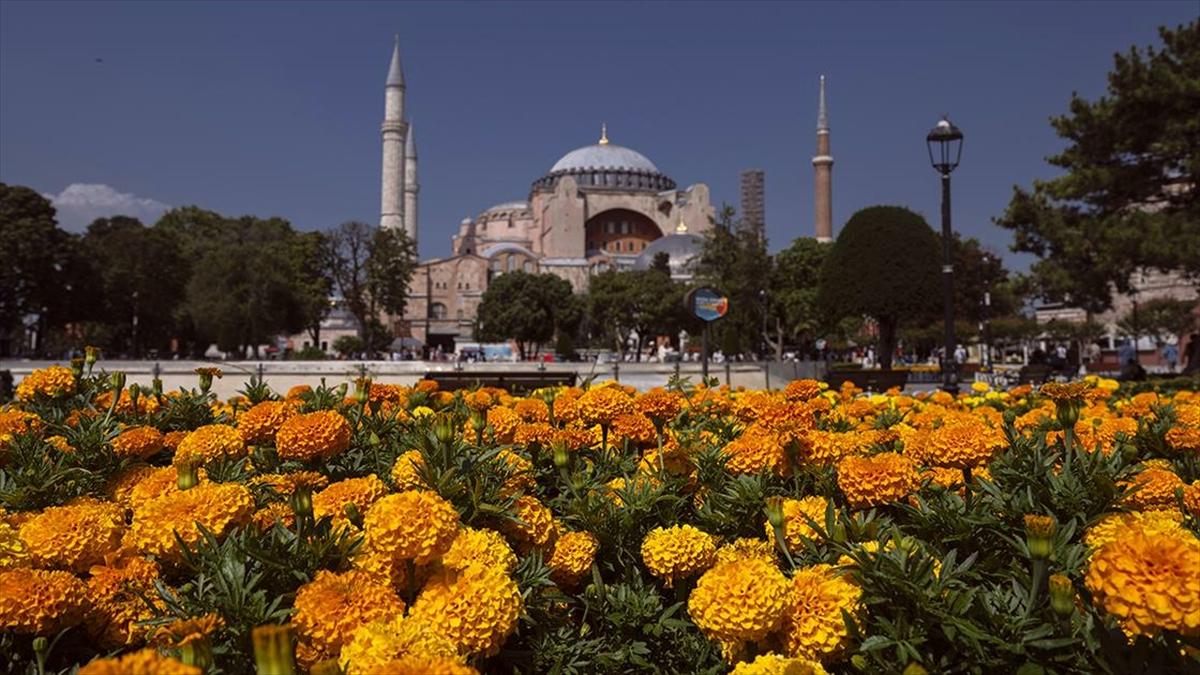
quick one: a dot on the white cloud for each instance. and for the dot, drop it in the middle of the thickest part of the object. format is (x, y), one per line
(81, 203)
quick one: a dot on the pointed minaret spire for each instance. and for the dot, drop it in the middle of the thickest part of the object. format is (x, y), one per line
(604, 133)
(823, 173)
(822, 113)
(395, 72)
(411, 187)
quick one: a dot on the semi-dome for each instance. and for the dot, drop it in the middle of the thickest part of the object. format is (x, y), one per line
(683, 251)
(605, 165)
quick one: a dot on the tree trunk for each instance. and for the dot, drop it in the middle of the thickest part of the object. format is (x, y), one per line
(887, 342)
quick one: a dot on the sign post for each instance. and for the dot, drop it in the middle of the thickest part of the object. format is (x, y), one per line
(707, 305)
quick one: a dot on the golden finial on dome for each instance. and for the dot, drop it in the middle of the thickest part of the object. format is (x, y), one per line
(603, 133)
(681, 228)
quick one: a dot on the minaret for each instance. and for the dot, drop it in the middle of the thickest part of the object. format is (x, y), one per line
(391, 213)
(411, 187)
(823, 173)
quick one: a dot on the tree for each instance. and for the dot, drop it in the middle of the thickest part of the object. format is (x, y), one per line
(140, 287)
(735, 262)
(645, 303)
(1128, 198)
(522, 307)
(34, 254)
(795, 280)
(1160, 318)
(348, 345)
(314, 287)
(884, 264)
(371, 268)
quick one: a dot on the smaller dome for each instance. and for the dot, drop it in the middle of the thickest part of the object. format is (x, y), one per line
(509, 206)
(683, 252)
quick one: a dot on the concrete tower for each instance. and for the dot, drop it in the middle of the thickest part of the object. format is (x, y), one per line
(754, 217)
(823, 173)
(411, 187)
(391, 212)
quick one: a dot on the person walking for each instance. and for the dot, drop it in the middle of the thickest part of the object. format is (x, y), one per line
(1170, 354)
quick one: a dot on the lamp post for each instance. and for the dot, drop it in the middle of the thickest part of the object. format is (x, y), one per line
(987, 312)
(945, 149)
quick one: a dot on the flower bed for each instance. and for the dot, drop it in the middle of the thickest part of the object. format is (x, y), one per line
(387, 529)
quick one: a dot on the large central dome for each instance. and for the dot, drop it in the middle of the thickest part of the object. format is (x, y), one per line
(604, 156)
(607, 166)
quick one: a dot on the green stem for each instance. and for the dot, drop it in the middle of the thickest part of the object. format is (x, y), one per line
(661, 465)
(967, 488)
(1069, 447)
(1037, 571)
(782, 544)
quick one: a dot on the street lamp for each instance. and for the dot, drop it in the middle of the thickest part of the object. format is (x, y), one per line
(945, 149)
(987, 312)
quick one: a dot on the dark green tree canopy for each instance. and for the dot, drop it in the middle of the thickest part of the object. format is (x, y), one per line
(371, 268)
(1127, 198)
(884, 265)
(526, 308)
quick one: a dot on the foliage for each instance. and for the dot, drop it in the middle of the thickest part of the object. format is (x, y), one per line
(1126, 199)
(884, 264)
(526, 308)
(349, 345)
(793, 291)
(736, 263)
(1161, 318)
(371, 268)
(645, 303)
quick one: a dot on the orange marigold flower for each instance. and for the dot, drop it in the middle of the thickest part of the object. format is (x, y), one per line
(74, 537)
(16, 422)
(1114, 526)
(536, 528)
(795, 528)
(476, 608)
(183, 632)
(41, 602)
(503, 422)
(659, 405)
(141, 662)
(423, 665)
(1191, 498)
(566, 407)
(738, 602)
(52, 382)
(959, 443)
(260, 424)
(412, 525)
(287, 483)
(297, 392)
(877, 479)
(814, 627)
(333, 605)
(755, 451)
(138, 442)
(362, 492)
(217, 506)
(532, 410)
(479, 401)
(678, 552)
(210, 442)
(572, 557)
(829, 447)
(604, 404)
(1150, 582)
(802, 390)
(534, 433)
(635, 428)
(1154, 490)
(1184, 438)
(312, 436)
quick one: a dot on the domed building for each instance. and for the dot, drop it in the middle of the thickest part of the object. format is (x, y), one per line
(599, 207)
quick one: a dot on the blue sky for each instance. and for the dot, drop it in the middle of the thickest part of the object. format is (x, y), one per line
(273, 109)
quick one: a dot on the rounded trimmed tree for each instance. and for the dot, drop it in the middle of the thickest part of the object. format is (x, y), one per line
(884, 265)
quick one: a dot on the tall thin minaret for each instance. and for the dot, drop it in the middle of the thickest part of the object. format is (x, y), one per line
(411, 187)
(823, 173)
(391, 212)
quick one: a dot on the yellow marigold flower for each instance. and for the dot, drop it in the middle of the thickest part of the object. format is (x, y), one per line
(331, 607)
(139, 442)
(406, 471)
(774, 664)
(275, 512)
(424, 665)
(486, 547)
(520, 469)
(219, 507)
(536, 528)
(476, 608)
(503, 422)
(1150, 582)
(41, 602)
(412, 525)
(659, 405)
(743, 548)
(362, 492)
(795, 528)
(572, 557)
(375, 644)
(739, 601)
(678, 552)
(802, 390)
(74, 537)
(120, 487)
(317, 435)
(603, 404)
(12, 549)
(141, 662)
(60, 443)
(814, 627)
(755, 451)
(15, 422)
(635, 428)
(877, 479)
(1154, 490)
(260, 423)
(52, 382)
(532, 410)
(209, 442)
(1114, 526)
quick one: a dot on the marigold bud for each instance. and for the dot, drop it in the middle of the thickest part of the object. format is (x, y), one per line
(273, 650)
(117, 380)
(353, 514)
(91, 355)
(362, 389)
(157, 386)
(443, 429)
(301, 501)
(915, 668)
(187, 472)
(1039, 533)
(562, 457)
(774, 511)
(77, 366)
(1062, 595)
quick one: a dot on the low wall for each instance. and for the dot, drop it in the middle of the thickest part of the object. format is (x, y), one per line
(282, 375)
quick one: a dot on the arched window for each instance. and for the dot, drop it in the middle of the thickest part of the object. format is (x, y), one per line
(437, 311)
